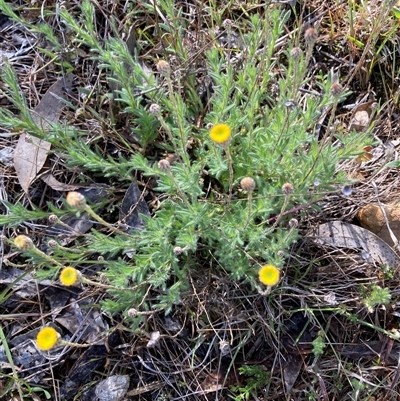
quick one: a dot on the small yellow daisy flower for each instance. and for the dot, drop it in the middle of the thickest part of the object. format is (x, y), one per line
(69, 276)
(23, 242)
(220, 133)
(269, 275)
(47, 338)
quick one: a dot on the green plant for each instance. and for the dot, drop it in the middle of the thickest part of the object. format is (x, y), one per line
(256, 378)
(377, 296)
(204, 218)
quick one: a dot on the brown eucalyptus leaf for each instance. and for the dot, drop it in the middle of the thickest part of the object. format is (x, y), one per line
(345, 235)
(52, 182)
(31, 152)
(372, 218)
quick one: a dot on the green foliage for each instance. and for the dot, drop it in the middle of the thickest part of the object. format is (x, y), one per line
(204, 218)
(319, 344)
(377, 296)
(256, 378)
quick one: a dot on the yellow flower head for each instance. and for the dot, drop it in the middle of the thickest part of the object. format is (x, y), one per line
(47, 338)
(69, 276)
(220, 133)
(269, 275)
(23, 242)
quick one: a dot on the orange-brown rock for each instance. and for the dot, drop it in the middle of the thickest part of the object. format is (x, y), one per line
(372, 218)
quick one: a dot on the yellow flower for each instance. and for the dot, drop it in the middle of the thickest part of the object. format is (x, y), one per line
(23, 242)
(220, 133)
(269, 275)
(69, 276)
(47, 338)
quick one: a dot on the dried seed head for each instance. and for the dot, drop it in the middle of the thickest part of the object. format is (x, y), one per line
(53, 219)
(227, 23)
(287, 188)
(52, 244)
(336, 89)
(247, 184)
(132, 312)
(164, 165)
(76, 200)
(178, 250)
(163, 67)
(310, 36)
(23, 242)
(155, 109)
(296, 53)
(293, 223)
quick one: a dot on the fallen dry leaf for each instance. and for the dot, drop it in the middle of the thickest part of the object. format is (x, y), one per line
(344, 235)
(31, 152)
(372, 218)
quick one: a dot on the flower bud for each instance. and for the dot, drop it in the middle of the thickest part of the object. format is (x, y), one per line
(52, 244)
(178, 250)
(310, 36)
(163, 67)
(336, 89)
(53, 219)
(154, 109)
(76, 200)
(247, 184)
(287, 188)
(296, 53)
(23, 242)
(164, 165)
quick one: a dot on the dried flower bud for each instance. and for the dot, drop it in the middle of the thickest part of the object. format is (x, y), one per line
(224, 347)
(23, 242)
(76, 200)
(293, 223)
(163, 67)
(155, 109)
(53, 219)
(164, 165)
(310, 36)
(336, 89)
(178, 250)
(281, 254)
(227, 23)
(247, 184)
(132, 312)
(296, 53)
(287, 188)
(52, 244)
